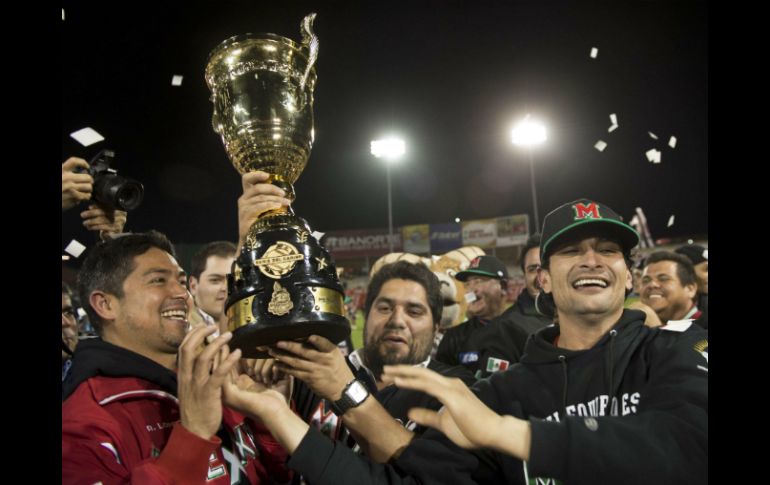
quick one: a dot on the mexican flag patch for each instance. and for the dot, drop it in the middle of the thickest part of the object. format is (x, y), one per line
(494, 365)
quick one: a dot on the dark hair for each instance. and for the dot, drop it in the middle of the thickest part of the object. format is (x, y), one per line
(110, 262)
(684, 269)
(404, 270)
(222, 249)
(532, 242)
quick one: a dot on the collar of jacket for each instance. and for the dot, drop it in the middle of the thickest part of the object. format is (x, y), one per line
(95, 357)
(540, 348)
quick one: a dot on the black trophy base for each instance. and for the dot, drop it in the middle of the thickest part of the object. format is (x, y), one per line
(249, 337)
(283, 286)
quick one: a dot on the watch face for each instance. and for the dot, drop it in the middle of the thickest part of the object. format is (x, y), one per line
(357, 392)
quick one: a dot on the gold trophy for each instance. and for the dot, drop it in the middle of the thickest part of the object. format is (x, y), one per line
(283, 286)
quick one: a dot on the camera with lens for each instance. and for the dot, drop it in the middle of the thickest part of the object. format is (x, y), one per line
(110, 189)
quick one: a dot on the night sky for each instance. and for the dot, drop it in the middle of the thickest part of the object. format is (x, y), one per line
(450, 77)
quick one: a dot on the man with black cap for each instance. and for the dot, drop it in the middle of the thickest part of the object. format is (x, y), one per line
(699, 256)
(482, 344)
(600, 398)
(523, 314)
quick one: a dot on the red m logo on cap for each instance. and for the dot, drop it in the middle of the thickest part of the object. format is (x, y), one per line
(590, 211)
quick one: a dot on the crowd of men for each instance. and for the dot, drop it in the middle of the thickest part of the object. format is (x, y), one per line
(566, 385)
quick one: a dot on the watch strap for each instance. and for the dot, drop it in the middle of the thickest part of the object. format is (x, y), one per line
(343, 404)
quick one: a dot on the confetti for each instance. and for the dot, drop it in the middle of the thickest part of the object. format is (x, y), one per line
(62, 14)
(176, 80)
(594, 52)
(670, 221)
(600, 145)
(65, 257)
(612, 128)
(672, 142)
(653, 135)
(74, 248)
(470, 297)
(318, 235)
(87, 136)
(678, 325)
(653, 155)
(614, 119)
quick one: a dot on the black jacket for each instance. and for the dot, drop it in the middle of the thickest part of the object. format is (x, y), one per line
(633, 409)
(318, 412)
(483, 347)
(703, 302)
(523, 315)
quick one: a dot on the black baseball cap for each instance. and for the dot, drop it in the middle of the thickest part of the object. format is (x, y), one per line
(584, 218)
(484, 266)
(694, 252)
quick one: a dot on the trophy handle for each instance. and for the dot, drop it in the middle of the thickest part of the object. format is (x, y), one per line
(309, 41)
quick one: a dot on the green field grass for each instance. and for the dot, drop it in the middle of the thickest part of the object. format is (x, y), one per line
(357, 333)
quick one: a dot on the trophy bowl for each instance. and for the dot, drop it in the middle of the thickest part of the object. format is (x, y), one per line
(283, 285)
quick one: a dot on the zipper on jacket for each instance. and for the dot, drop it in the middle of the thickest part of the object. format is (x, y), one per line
(613, 334)
(563, 360)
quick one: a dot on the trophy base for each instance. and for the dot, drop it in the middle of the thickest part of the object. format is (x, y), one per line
(250, 337)
(283, 286)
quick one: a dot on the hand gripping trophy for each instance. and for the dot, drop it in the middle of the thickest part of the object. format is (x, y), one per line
(283, 286)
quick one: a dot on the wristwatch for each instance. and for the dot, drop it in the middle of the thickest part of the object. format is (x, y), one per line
(352, 396)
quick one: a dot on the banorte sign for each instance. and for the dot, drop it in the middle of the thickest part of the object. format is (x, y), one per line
(359, 243)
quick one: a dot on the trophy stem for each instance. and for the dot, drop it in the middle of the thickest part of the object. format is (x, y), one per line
(284, 184)
(282, 218)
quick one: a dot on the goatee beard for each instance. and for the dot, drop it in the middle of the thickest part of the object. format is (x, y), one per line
(376, 361)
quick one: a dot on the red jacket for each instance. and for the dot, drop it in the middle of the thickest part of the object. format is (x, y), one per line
(127, 430)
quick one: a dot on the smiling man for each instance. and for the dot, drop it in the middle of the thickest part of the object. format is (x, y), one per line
(128, 416)
(598, 398)
(403, 307)
(669, 287)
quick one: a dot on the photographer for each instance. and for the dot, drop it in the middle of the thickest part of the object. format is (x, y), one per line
(77, 186)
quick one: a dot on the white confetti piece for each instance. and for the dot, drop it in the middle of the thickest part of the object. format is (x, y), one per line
(176, 80)
(670, 221)
(318, 235)
(65, 257)
(678, 325)
(600, 145)
(653, 155)
(594, 52)
(706, 254)
(614, 119)
(87, 136)
(81, 312)
(653, 135)
(470, 297)
(612, 128)
(672, 142)
(62, 14)
(74, 248)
